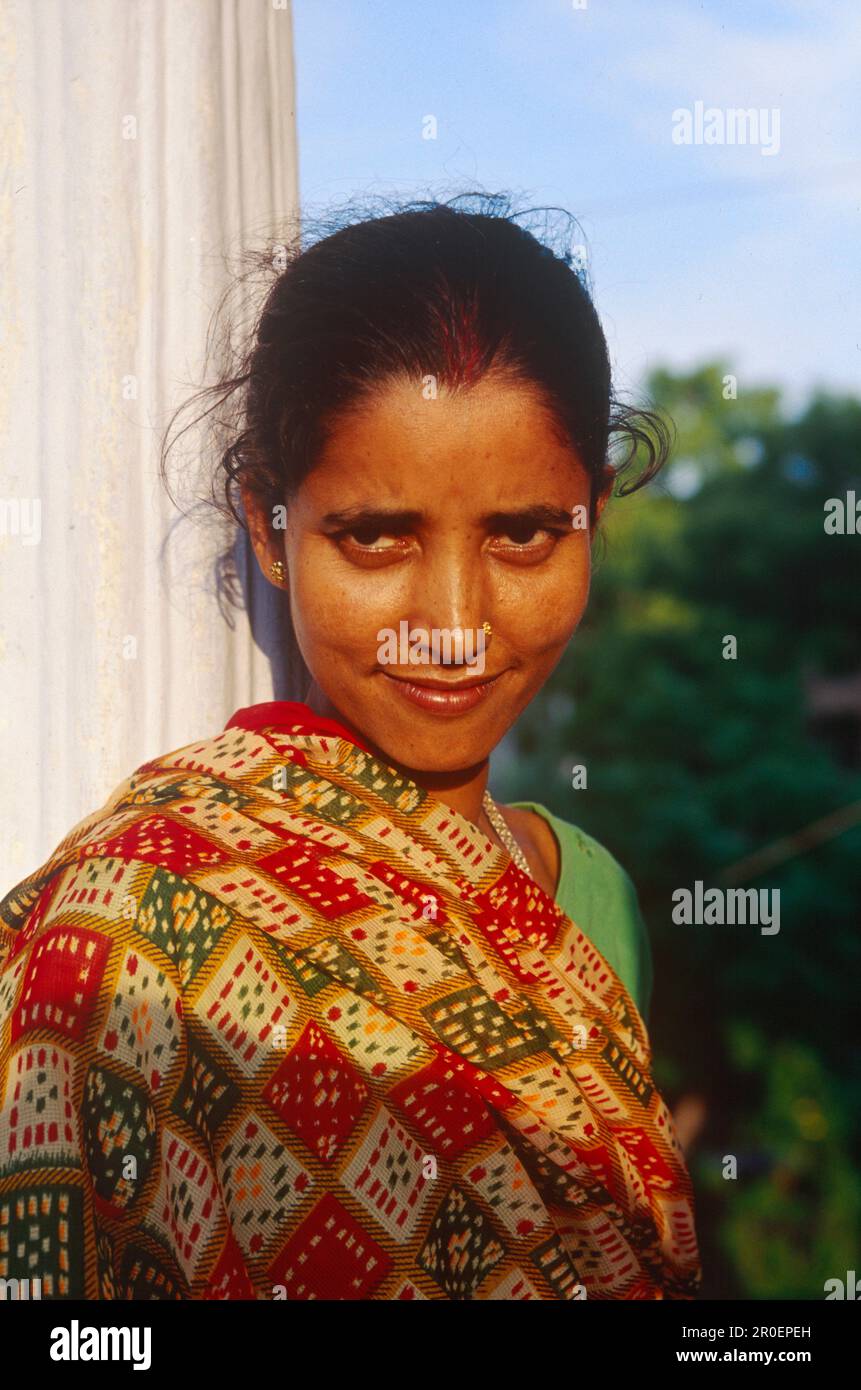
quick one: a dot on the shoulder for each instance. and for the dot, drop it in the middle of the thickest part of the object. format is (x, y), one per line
(582, 854)
(596, 876)
(592, 858)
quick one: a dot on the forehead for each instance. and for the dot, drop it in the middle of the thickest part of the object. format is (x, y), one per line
(492, 438)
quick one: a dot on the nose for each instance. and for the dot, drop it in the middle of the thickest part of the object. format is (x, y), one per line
(451, 594)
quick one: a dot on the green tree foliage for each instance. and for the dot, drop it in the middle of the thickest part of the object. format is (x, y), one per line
(695, 762)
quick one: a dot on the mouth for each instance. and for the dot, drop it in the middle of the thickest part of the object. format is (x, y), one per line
(444, 697)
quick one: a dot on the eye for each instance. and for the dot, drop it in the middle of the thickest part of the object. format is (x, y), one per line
(371, 538)
(525, 540)
(524, 532)
(371, 545)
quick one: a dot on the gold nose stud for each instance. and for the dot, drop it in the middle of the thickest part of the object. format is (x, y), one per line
(487, 630)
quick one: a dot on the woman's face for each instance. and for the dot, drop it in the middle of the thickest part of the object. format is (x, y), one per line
(439, 514)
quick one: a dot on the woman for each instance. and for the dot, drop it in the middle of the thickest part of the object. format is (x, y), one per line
(301, 1013)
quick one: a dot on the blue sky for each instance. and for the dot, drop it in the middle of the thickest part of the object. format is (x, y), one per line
(695, 251)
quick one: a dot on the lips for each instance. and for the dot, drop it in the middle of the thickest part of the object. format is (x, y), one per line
(444, 697)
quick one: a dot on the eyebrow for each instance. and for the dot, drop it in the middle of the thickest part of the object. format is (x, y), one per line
(539, 514)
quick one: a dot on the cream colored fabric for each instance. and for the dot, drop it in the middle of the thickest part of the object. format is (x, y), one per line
(141, 142)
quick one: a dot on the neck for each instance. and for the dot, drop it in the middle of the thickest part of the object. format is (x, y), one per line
(462, 790)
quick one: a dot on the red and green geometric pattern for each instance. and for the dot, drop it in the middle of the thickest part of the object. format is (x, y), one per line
(277, 1023)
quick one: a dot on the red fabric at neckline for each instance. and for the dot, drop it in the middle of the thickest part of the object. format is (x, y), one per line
(292, 715)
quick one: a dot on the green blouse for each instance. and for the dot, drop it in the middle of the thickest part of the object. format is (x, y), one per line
(598, 895)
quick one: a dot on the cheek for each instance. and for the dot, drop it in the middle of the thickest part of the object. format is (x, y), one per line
(538, 611)
(336, 614)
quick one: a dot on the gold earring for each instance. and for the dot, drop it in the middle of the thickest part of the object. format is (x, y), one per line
(488, 631)
(278, 571)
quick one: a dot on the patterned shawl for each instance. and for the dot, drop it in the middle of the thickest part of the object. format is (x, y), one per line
(277, 1023)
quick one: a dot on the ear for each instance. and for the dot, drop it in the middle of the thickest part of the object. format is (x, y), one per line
(265, 539)
(604, 495)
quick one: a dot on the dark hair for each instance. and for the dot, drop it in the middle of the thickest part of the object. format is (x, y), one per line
(454, 290)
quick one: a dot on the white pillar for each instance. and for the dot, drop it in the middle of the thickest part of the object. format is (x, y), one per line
(141, 141)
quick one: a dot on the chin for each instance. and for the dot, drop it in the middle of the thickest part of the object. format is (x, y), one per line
(431, 762)
(424, 744)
